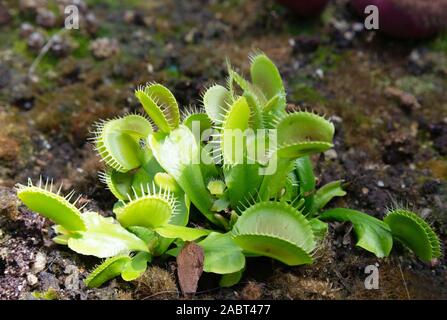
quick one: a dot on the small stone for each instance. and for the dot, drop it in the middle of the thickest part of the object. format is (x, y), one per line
(365, 190)
(103, 48)
(60, 46)
(336, 119)
(72, 280)
(39, 263)
(46, 18)
(425, 212)
(36, 41)
(348, 35)
(150, 68)
(26, 29)
(357, 27)
(91, 22)
(319, 73)
(31, 279)
(331, 154)
(129, 16)
(380, 184)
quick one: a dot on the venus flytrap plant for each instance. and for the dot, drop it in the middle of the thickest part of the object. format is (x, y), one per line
(242, 161)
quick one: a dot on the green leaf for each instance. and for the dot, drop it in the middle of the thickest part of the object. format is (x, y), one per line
(326, 194)
(149, 210)
(243, 181)
(275, 230)
(231, 279)
(265, 75)
(178, 154)
(104, 237)
(306, 178)
(136, 266)
(216, 187)
(306, 175)
(372, 234)
(160, 105)
(303, 133)
(256, 117)
(233, 132)
(319, 228)
(117, 142)
(195, 121)
(119, 183)
(184, 233)
(415, 233)
(215, 101)
(147, 235)
(52, 206)
(222, 254)
(107, 270)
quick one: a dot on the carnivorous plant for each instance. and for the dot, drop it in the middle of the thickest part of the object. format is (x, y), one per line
(242, 162)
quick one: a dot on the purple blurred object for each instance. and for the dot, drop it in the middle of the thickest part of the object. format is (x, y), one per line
(304, 7)
(395, 21)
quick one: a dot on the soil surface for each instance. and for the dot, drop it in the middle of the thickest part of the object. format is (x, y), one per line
(387, 99)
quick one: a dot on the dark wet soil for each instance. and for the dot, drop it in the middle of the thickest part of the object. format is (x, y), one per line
(387, 99)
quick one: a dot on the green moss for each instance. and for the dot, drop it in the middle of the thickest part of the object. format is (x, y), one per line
(416, 85)
(440, 43)
(83, 44)
(50, 294)
(326, 57)
(306, 93)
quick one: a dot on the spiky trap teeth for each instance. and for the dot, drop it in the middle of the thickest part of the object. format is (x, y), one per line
(261, 202)
(147, 208)
(415, 233)
(40, 198)
(117, 141)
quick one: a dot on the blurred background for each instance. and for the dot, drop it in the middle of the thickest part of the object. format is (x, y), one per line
(385, 91)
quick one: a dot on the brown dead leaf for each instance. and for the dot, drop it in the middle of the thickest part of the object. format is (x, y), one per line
(190, 267)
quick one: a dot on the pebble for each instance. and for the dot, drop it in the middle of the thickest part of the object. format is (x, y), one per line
(103, 48)
(357, 27)
(425, 212)
(72, 280)
(39, 263)
(45, 18)
(26, 29)
(150, 68)
(60, 46)
(336, 119)
(31, 279)
(319, 73)
(331, 154)
(36, 41)
(380, 184)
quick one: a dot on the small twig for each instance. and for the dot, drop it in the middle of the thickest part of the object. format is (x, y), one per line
(159, 293)
(405, 282)
(44, 51)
